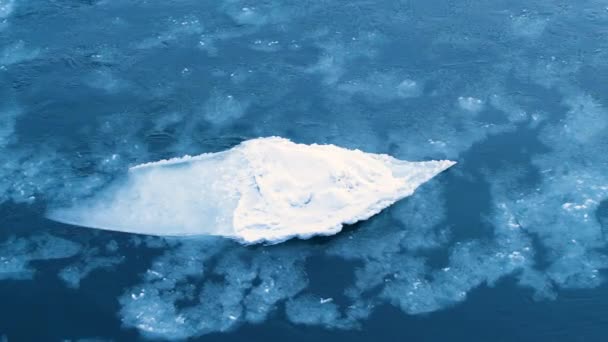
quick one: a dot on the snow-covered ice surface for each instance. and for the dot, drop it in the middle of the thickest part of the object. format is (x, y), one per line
(509, 245)
(263, 190)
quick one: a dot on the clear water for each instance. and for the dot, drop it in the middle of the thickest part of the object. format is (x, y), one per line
(508, 245)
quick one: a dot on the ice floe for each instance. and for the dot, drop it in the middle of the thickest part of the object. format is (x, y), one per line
(266, 189)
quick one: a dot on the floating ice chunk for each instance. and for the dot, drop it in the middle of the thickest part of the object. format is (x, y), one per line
(383, 86)
(204, 285)
(17, 253)
(91, 261)
(409, 88)
(307, 310)
(17, 53)
(266, 189)
(8, 120)
(222, 109)
(248, 16)
(178, 28)
(6, 8)
(105, 80)
(470, 104)
(527, 25)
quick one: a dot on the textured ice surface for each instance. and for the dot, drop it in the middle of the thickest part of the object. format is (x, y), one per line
(16, 53)
(265, 189)
(17, 253)
(7, 125)
(91, 260)
(6, 8)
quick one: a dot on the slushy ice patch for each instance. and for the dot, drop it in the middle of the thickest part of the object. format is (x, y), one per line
(266, 189)
(16, 253)
(239, 287)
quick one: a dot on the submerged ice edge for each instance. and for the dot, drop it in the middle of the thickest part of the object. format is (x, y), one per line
(263, 190)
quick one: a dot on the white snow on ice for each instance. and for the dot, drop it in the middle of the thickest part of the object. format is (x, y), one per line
(263, 190)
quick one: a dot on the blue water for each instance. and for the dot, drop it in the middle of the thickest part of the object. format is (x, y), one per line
(508, 245)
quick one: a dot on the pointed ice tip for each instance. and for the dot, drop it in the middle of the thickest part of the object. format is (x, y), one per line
(446, 164)
(420, 171)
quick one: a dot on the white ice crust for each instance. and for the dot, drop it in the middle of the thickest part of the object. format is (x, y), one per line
(263, 190)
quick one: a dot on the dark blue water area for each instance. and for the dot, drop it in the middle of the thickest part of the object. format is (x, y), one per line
(507, 245)
(501, 313)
